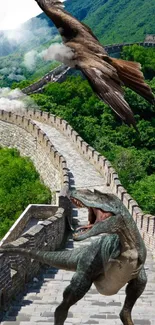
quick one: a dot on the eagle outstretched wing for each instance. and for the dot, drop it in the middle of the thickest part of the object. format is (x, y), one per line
(69, 27)
(111, 93)
(106, 75)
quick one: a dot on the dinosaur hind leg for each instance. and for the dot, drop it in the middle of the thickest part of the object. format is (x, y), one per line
(134, 290)
(78, 287)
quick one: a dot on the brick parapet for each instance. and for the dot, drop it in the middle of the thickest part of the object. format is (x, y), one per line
(16, 270)
(41, 137)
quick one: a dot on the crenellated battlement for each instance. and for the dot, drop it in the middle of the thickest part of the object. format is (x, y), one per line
(41, 138)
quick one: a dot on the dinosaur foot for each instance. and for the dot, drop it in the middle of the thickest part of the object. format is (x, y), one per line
(125, 317)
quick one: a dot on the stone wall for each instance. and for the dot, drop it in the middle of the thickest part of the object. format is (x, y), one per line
(12, 136)
(29, 139)
(116, 48)
(54, 75)
(31, 215)
(145, 222)
(16, 271)
(150, 38)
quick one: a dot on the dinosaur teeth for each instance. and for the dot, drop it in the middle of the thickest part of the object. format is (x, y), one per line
(77, 203)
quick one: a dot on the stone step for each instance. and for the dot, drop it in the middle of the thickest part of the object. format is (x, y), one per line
(42, 297)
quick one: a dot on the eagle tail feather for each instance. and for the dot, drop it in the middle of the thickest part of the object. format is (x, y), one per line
(130, 74)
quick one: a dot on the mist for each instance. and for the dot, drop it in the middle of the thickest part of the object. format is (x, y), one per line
(33, 30)
(56, 51)
(15, 101)
(15, 77)
(30, 60)
(27, 38)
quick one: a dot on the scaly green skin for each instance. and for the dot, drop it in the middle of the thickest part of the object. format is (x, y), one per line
(91, 263)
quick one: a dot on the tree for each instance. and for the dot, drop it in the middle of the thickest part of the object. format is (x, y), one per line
(145, 56)
(144, 192)
(19, 186)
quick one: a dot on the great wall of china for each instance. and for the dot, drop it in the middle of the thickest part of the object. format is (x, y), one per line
(64, 160)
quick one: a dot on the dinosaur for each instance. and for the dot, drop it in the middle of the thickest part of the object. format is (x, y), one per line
(110, 261)
(106, 75)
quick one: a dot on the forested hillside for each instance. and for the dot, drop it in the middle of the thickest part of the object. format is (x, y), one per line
(112, 21)
(17, 67)
(115, 21)
(19, 186)
(20, 49)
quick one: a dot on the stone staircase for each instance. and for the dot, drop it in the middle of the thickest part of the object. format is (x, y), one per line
(44, 294)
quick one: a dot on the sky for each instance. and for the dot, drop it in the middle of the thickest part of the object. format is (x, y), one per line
(15, 12)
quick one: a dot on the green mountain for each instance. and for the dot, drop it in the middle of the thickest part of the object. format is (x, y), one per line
(115, 21)
(112, 21)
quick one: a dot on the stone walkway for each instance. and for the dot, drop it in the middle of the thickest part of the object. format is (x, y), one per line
(83, 174)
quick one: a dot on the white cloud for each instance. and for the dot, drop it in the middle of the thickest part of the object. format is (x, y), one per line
(15, 101)
(15, 12)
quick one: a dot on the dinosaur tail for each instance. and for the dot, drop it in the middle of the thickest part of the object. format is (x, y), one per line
(66, 260)
(130, 74)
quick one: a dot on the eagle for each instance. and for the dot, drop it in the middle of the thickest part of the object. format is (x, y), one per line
(106, 75)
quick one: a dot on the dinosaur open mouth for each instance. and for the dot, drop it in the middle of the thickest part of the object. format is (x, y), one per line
(94, 215)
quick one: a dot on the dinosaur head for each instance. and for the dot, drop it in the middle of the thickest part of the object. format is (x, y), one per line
(100, 207)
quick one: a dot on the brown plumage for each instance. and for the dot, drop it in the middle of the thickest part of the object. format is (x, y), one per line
(106, 75)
